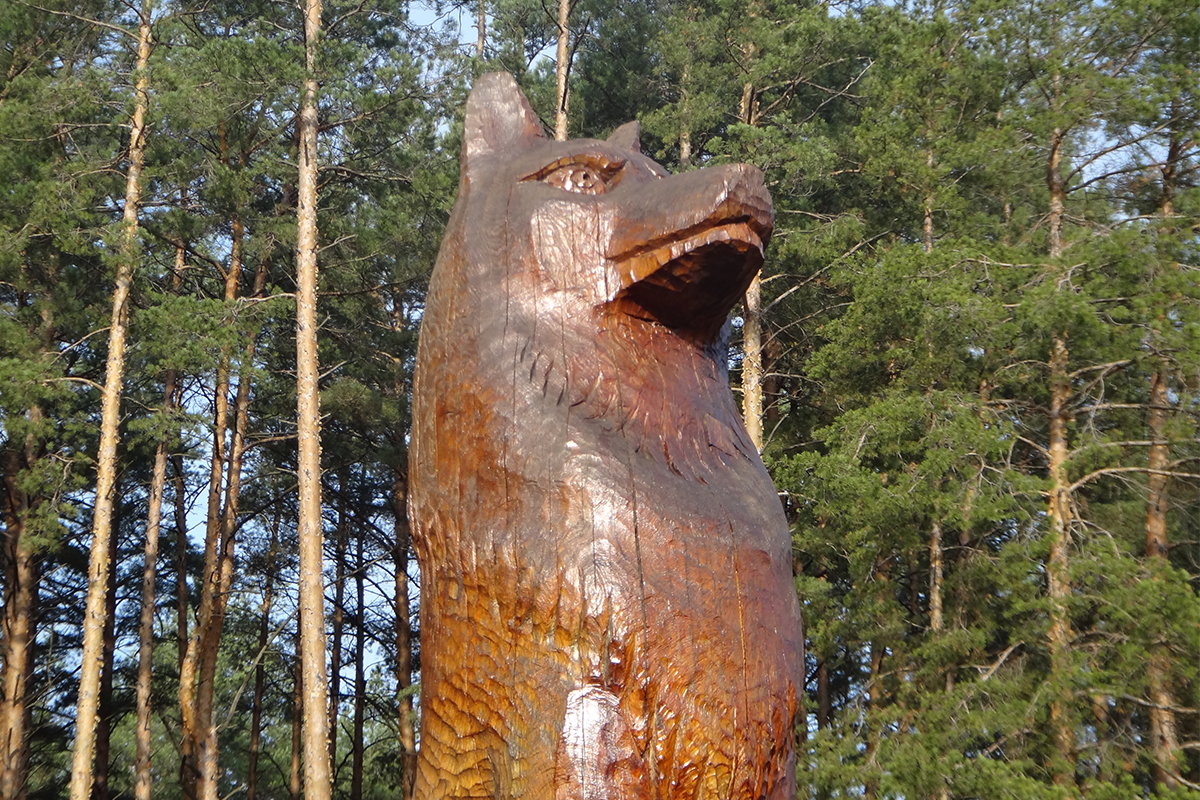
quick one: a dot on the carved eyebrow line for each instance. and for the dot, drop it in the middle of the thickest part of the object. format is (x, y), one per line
(605, 165)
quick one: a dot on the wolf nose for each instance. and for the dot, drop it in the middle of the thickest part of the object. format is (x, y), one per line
(746, 195)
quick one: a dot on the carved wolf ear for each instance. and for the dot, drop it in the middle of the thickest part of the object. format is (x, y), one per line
(499, 118)
(628, 137)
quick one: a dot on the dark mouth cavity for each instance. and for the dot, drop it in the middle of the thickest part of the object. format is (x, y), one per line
(693, 293)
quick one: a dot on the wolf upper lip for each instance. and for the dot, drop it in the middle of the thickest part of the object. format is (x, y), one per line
(636, 264)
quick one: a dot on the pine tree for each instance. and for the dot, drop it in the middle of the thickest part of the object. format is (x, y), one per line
(106, 460)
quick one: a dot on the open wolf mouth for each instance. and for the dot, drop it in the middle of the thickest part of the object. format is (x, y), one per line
(691, 281)
(645, 260)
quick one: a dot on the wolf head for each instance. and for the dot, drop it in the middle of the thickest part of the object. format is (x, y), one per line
(598, 226)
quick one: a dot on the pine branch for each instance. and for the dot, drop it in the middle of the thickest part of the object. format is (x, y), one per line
(80, 18)
(1091, 476)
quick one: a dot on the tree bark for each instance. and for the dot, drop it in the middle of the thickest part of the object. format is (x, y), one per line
(106, 457)
(198, 673)
(260, 671)
(182, 592)
(1164, 740)
(935, 578)
(685, 116)
(360, 677)
(294, 777)
(1058, 578)
(407, 728)
(748, 105)
(562, 70)
(158, 481)
(105, 706)
(824, 702)
(927, 226)
(195, 694)
(936, 620)
(1177, 142)
(874, 703)
(1156, 505)
(480, 28)
(339, 623)
(875, 690)
(752, 363)
(209, 634)
(192, 722)
(1054, 182)
(317, 777)
(19, 620)
(182, 595)
(752, 344)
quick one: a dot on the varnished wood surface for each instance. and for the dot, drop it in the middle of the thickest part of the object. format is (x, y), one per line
(607, 602)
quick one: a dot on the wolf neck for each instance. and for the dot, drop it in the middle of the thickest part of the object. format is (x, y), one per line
(663, 396)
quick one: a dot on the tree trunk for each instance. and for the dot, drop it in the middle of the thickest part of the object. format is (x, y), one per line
(158, 481)
(260, 671)
(752, 344)
(182, 593)
(1054, 182)
(748, 105)
(210, 622)
(1176, 147)
(935, 578)
(360, 677)
(480, 28)
(927, 226)
(106, 457)
(936, 621)
(182, 596)
(685, 147)
(685, 116)
(294, 781)
(195, 695)
(824, 702)
(874, 703)
(19, 621)
(317, 779)
(192, 726)
(881, 575)
(562, 70)
(105, 706)
(1058, 577)
(1164, 740)
(339, 623)
(407, 728)
(752, 363)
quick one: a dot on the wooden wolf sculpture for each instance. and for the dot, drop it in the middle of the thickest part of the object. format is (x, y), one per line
(607, 608)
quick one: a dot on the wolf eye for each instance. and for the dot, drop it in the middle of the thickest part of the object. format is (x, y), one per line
(577, 178)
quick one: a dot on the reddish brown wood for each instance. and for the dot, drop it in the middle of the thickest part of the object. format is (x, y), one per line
(607, 607)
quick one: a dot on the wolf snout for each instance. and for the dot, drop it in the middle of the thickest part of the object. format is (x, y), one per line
(686, 247)
(653, 215)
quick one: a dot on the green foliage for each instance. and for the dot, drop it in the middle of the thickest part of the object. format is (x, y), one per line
(911, 306)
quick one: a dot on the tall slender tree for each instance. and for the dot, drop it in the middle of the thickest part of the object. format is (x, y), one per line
(106, 457)
(317, 772)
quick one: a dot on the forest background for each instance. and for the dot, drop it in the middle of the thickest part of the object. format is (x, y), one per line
(971, 362)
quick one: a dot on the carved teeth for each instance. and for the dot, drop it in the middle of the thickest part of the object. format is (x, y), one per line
(641, 266)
